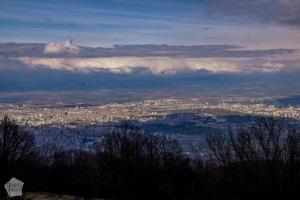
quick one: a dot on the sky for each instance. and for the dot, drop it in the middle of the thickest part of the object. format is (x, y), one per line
(181, 22)
(157, 37)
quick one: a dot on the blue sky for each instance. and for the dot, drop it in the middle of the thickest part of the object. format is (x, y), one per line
(93, 22)
(108, 22)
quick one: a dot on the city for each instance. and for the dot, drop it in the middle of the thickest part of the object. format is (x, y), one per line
(81, 126)
(142, 111)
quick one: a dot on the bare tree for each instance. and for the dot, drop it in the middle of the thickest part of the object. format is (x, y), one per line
(259, 159)
(266, 139)
(130, 143)
(142, 163)
(16, 145)
(17, 148)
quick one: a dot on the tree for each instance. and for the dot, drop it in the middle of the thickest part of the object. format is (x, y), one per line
(133, 163)
(259, 159)
(17, 149)
(265, 139)
(72, 171)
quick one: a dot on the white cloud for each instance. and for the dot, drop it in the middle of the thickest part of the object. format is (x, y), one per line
(157, 65)
(64, 47)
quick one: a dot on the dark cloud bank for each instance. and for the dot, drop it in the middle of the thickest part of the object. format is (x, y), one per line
(197, 51)
(278, 11)
(190, 82)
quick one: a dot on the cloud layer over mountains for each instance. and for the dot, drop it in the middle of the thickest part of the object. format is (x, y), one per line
(155, 59)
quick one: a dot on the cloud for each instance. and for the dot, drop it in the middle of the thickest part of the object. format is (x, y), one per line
(279, 11)
(158, 65)
(68, 49)
(155, 65)
(64, 47)
(156, 59)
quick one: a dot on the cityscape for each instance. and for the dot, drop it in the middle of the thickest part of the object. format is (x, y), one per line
(142, 111)
(81, 126)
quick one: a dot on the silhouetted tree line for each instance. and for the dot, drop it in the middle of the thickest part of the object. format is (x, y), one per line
(259, 161)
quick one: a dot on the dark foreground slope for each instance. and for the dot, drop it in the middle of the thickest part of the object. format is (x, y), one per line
(261, 161)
